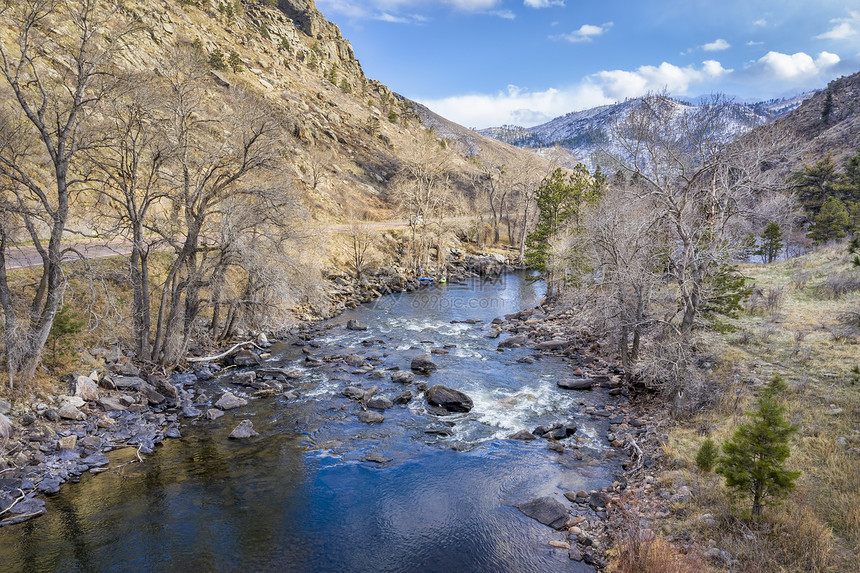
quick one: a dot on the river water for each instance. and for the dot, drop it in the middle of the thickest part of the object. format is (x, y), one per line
(300, 498)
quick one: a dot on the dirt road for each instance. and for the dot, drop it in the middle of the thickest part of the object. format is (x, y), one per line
(27, 256)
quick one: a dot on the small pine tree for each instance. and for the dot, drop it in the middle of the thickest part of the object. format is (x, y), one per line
(854, 249)
(235, 61)
(771, 243)
(345, 87)
(216, 59)
(66, 322)
(707, 456)
(753, 460)
(831, 223)
(827, 107)
(392, 116)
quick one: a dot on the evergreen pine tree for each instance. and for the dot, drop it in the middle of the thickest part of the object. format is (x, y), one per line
(753, 460)
(771, 243)
(707, 456)
(65, 322)
(831, 223)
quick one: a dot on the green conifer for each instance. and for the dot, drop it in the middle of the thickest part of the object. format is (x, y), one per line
(753, 460)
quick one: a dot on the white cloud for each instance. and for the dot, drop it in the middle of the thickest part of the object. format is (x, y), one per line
(843, 28)
(473, 5)
(543, 3)
(506, 14)
(585, 33)
(519, 106)
(799, 66)
(760, 23)
(754, 43)
(717, 45)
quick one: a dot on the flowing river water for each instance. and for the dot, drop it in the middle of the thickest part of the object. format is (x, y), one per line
(300, 497)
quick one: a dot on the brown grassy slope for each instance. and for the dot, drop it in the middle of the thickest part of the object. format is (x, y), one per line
(801, 338)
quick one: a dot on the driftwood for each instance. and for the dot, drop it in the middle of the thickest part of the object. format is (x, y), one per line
(226, 354)
(638, 454)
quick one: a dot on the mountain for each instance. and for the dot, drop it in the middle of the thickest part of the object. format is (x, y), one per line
(587, 133)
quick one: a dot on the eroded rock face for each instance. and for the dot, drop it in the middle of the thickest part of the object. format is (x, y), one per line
(452, 401)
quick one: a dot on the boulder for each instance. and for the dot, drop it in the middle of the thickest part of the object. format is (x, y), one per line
(230, 401)
(353, 324)
(575, 383)
(513, 342)
(243, 431)
(523, 435)
(245, 358)
(6, 429)
(376, 457)
(403, 398)
(125, 382)
(86, 389)
(67, 443)
(353, 393)
(354, 360)
(69, 412)
(75, 401)
(166, 388)
(380, 403)
(5, 407)
(112, 404)
(214, 413)
(449, 399)
(152, 395)
(402, 377)
(423, 365)
(546, 510)
(370, 417)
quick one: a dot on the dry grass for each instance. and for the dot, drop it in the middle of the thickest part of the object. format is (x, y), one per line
(818, 527)
(652, 556)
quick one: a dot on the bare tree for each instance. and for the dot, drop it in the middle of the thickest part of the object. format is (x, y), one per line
(55, 71)
(423, 194)
(129, 169)
(699, 183)
(215, 152)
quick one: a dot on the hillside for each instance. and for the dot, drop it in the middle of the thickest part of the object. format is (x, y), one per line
(829, 120)
(587, 133)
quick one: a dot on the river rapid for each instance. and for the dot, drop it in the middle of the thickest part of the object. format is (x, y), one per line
(302, 496)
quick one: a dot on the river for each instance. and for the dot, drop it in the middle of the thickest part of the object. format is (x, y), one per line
(300, 497)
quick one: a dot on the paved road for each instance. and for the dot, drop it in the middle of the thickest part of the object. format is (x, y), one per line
(27, 256)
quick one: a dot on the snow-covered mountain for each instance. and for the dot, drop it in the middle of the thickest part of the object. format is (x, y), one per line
(587, 133)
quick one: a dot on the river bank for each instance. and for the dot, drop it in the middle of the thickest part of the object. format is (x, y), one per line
(524, 339)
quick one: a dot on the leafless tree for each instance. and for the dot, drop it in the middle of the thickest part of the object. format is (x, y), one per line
(56, 72)
(215, 152)
(699, 182)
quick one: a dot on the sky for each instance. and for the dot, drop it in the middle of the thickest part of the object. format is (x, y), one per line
(485, 63)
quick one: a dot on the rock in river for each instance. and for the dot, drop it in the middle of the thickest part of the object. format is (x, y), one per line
(546, 510)
(423, 365)
(402, 377)
(229, 401)
(379, 403)
(355, 325)
(448, 398)
(244, 430)
(516, 341)
(370, 417)
(575, 383)
(522, 435)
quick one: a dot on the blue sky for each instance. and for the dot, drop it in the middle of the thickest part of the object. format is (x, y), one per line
(484, 63)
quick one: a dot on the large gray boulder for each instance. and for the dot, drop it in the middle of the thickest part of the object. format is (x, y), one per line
(86, 389)
(370, 417)
(6, 430)
(546, 510)
(453, 401)
(380, 403)
(402, 377)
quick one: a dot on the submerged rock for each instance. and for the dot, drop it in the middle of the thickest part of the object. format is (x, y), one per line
(370, 417)
(513, 342)
(402, 377)
(523, 435)
(353, 324)
(546, 510)
(453, 401)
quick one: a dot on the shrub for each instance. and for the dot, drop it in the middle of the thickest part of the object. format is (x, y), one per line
(235, 61)
(707, 456)
(216, 59)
